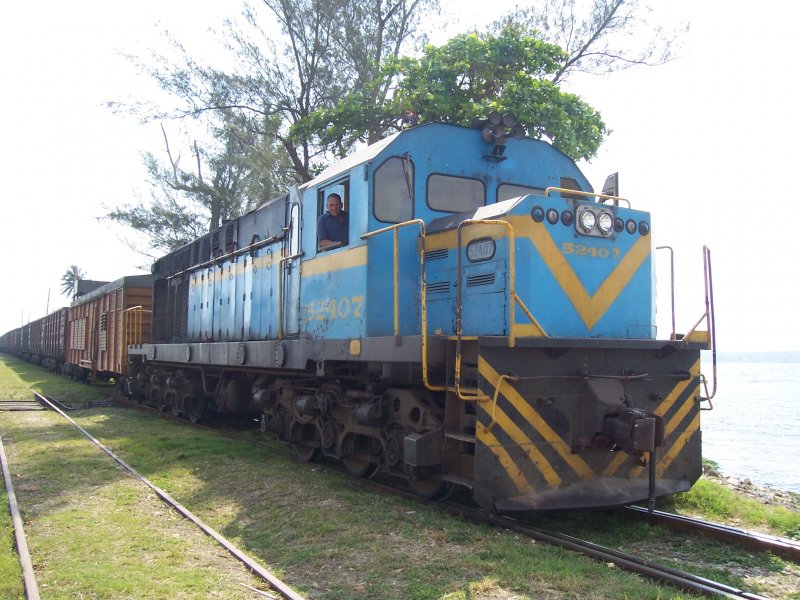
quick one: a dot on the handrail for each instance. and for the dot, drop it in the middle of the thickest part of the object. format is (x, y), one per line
(281, 267)
(671, 284)
(616, 199)
(132, 322)
(423, 291)
(708, 317)
(223, 257)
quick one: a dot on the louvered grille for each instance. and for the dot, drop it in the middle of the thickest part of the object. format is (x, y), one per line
(476, 280)
(438, 287)
(436, 254)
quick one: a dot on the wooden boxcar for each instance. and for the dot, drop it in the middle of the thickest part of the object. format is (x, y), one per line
(104, 322)
(47, 343)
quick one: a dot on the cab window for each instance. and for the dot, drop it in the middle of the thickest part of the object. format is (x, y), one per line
(447, 193)
(333, 221)
(393, 198)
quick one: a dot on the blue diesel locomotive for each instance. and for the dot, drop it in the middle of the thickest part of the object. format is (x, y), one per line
(488, 323)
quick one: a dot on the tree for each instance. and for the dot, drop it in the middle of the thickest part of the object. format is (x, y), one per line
(315, 77)
(70, 279)
(466, 79)
(598, 36)
(225, 179)
(323, 49)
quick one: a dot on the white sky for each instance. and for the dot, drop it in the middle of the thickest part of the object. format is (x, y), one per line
(704, 143)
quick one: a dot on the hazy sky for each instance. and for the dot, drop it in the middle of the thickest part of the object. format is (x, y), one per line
(704, 143)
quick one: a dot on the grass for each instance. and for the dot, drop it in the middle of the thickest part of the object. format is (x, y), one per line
(321, 531)
(719, 503)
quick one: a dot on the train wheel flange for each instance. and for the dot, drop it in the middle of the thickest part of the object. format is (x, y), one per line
(429, 485)
(360, 468)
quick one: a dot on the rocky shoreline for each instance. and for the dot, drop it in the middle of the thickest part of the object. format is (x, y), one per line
(764, 494)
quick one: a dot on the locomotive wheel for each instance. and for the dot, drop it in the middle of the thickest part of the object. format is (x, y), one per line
(360, 468)
(305, 442)
(428, 486)
(305, 453)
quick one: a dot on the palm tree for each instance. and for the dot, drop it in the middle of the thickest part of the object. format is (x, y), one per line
(70, 280)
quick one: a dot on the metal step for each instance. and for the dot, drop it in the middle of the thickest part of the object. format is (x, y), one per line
(461, 437)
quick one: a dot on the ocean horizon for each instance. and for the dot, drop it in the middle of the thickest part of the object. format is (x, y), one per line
(752, 432)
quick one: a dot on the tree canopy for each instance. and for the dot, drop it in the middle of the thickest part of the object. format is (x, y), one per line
(465, 79)
(312, 78)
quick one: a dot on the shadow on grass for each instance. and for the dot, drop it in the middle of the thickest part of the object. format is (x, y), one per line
(335, 538)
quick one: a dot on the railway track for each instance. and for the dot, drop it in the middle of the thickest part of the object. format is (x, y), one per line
(751, 540)
(276, 584)
(675, 577)
(681, 579)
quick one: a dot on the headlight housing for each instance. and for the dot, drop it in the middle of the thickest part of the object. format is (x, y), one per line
(605, 222)
(587, 220)
(594, 220)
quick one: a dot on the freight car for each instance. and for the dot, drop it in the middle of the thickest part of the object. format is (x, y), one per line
(42, 342)
(102, 323)
(487, 322)
(89, 340)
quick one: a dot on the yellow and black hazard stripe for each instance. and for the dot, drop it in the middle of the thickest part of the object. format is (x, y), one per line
(523, 445)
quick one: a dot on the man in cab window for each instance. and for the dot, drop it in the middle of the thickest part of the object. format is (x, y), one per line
(333, 225)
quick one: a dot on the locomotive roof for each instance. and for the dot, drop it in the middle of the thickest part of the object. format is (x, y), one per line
(348, 162)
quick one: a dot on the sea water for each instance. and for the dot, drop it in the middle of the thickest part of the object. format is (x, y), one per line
(754, 430)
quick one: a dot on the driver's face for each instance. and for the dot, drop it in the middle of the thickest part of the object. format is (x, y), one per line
(334, 206)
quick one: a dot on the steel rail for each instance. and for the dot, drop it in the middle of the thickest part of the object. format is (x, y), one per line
(681, 579)
(675, 577)
(276, 584)
(28, 576)
(751, 540)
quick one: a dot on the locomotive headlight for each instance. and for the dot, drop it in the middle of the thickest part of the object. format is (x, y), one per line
(605, 223)
(587, 220)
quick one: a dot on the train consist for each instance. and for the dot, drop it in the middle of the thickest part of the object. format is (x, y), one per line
(89, 340)
(485, 320)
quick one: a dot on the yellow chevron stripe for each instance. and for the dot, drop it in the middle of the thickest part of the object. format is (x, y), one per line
(329, 263)
(677, 391)
(525, 443)
(615, 463)
(540, 425)
(662, 409)
(679, 415)
(665, 461)
(488, 439)
(590, 308)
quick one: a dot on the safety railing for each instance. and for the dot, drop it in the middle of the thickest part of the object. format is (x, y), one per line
(133, 328)
(695, 334)
(601, 197)
(281, 291)
(423, 289)
(708, 317)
